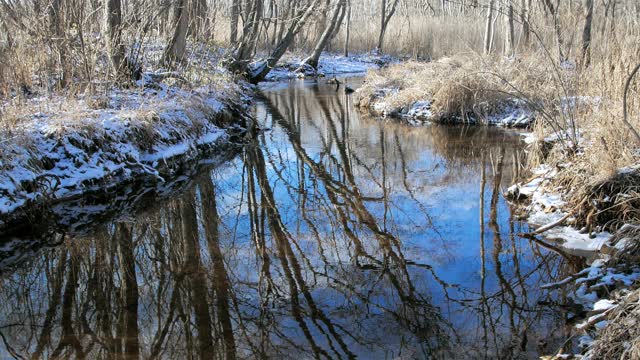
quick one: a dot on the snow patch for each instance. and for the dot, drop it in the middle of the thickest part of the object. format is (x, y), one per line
(329, 64)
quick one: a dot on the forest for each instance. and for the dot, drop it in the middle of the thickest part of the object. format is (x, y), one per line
(407, 179)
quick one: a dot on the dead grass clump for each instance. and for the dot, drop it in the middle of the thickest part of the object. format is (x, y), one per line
(620, 339)
(467, 95)
(466, 87)
(98, 102)
(144, 129)
(610, 202)
(627, 241)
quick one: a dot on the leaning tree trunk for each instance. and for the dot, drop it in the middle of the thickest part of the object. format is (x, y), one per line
(554, 11)
(488, 32)
(586, 33)
(297, 23)
(336, 18)
(174, 52)
(385, 18)
(113, 34)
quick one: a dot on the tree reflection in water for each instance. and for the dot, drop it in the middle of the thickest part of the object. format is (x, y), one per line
(331, 236)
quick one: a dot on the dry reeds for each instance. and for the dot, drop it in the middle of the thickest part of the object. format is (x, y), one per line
(461, 86)
(620, 339)
(610, 202)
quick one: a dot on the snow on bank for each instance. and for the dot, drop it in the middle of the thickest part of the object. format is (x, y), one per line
(548, 207)
(66, 148)
(329, 64)
(599, 291)
(511, 113)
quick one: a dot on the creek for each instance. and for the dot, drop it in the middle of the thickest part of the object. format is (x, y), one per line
(330, 234)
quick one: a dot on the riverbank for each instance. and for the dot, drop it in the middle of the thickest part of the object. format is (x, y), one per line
(599, 218)
(56, 148)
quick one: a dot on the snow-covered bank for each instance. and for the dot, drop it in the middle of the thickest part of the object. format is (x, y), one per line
(62, 149)
(604, 296)
(509, 113)
(329, 64)
(548, 209)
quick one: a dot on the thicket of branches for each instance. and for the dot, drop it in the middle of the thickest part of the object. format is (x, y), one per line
(53, 44)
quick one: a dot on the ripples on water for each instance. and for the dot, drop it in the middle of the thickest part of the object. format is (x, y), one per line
(330, 235)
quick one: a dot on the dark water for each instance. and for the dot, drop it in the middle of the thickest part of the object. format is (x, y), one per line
(331, 235)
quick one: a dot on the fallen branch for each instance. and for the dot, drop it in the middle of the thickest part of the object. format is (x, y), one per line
(566, 281)
(553, 224)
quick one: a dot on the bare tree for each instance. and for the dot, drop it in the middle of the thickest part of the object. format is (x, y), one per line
(336, 19)
(586, 33)
(509, 38)
(385, 17)
(244, 53)
(554, 11)
(347, 29)
(56, 27)
(174, 52)
(488, 33)
(525, 20)
(113, 34)
(235, 13)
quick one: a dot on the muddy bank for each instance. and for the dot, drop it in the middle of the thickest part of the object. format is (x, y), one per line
(133, 137)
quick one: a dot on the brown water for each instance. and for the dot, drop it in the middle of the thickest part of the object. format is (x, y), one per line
(330, 235)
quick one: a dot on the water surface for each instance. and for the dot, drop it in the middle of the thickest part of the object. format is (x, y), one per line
(330, 235)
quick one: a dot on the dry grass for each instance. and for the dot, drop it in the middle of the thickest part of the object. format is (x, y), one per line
(461, 85)
(605, 196)
(621, 338)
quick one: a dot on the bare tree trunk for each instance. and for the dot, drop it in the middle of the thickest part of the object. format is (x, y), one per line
(385, 18)
(488, 33)
(200, 16)
(347, 30)
(175, 50)
(297, 23)
(57, 31)
(247, 43)
(586, 33)
(509, 38)
(113, 33)
(554, 11)
(525, 20)
(235, 13)
(336, 19)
